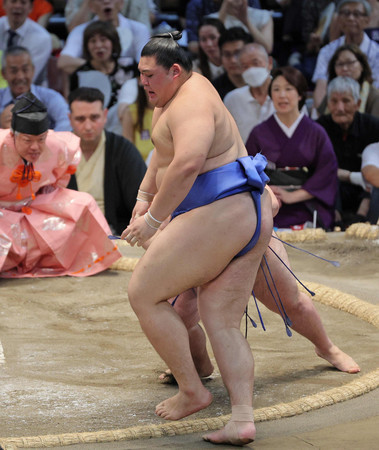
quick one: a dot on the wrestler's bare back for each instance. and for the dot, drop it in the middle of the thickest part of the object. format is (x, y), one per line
(224, 143)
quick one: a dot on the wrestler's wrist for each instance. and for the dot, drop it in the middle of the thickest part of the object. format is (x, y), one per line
(151, 221)
(143, 196)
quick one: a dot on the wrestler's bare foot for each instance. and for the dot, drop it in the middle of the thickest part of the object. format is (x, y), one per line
(204, 370)
(235, 433)
(339, 359)
(183, 404)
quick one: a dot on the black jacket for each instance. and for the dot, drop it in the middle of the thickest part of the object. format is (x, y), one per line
(123, 172)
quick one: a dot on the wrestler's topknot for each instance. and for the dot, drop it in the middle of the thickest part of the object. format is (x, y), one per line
(167, 51)
(175, 35)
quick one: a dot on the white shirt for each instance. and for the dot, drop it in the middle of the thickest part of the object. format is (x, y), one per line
(258, 17)
(370, 155)
(34, 38)
(245, 109)
(133, 36)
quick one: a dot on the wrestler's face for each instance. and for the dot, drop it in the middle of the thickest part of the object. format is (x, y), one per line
(157, 80)
(343, 107)
(30, 146)
(18, 72)
(17, 11)
(284, 96)
(88, 120)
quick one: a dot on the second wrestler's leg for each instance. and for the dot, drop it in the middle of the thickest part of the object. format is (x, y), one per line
(300, 308)
(186, 306)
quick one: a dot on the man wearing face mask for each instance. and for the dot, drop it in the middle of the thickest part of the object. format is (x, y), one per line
(250, 105)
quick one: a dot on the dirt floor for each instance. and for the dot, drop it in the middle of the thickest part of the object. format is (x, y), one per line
(74, 359)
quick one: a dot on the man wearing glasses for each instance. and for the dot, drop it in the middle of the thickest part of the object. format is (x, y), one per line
(353, 16)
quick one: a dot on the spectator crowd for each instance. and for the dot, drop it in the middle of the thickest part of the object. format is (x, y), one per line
(304, 92)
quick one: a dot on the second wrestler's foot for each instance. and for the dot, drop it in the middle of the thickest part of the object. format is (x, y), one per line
(339, 359)
(234, 433)
(204, 371)
(183, 404)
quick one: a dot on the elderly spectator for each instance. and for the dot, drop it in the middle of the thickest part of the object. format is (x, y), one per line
(353, 16)
(350, 61)
(301, 163)
(231, 43)
(17, 29)
(251, 104)
(111, 168)
(46, 229)
(350, 132)
(195, 12)
(133, 36)
(18, 70)
(209, 59)
(370, 172)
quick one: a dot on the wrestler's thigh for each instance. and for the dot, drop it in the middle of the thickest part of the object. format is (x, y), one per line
(222, 301)
(284, 280)
(194, 248)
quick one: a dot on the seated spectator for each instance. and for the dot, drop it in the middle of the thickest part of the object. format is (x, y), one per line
(111, 168)
(46, 229)
(137, 123)
(101, 49)
(350, 132)
(18, 70)
(196, 11)
(209, 59)
(17, 29)
(370, 172)
(133, 36)
(251, 104)
(353, 17)
(301, 163)
(231, 43)
(350, 61)
(79, 11)
(40, 13)
(257, 22)
(315, 19)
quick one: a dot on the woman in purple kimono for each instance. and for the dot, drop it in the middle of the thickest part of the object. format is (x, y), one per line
(301, 162)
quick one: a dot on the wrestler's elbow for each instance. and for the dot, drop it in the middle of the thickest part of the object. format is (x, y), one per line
(188, 167)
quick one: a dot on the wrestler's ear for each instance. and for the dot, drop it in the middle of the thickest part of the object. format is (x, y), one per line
(176, 70)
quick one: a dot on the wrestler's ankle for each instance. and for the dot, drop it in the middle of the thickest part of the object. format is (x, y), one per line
(242, 413)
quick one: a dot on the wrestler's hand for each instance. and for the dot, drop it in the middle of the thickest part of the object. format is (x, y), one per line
(138, 232)
(139, 210)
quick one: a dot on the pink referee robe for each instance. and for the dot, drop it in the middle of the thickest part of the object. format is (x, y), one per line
(60, 231)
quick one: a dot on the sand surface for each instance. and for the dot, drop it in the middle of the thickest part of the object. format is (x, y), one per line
(74, 359)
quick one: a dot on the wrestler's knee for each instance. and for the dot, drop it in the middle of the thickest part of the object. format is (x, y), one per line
(135, 295)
